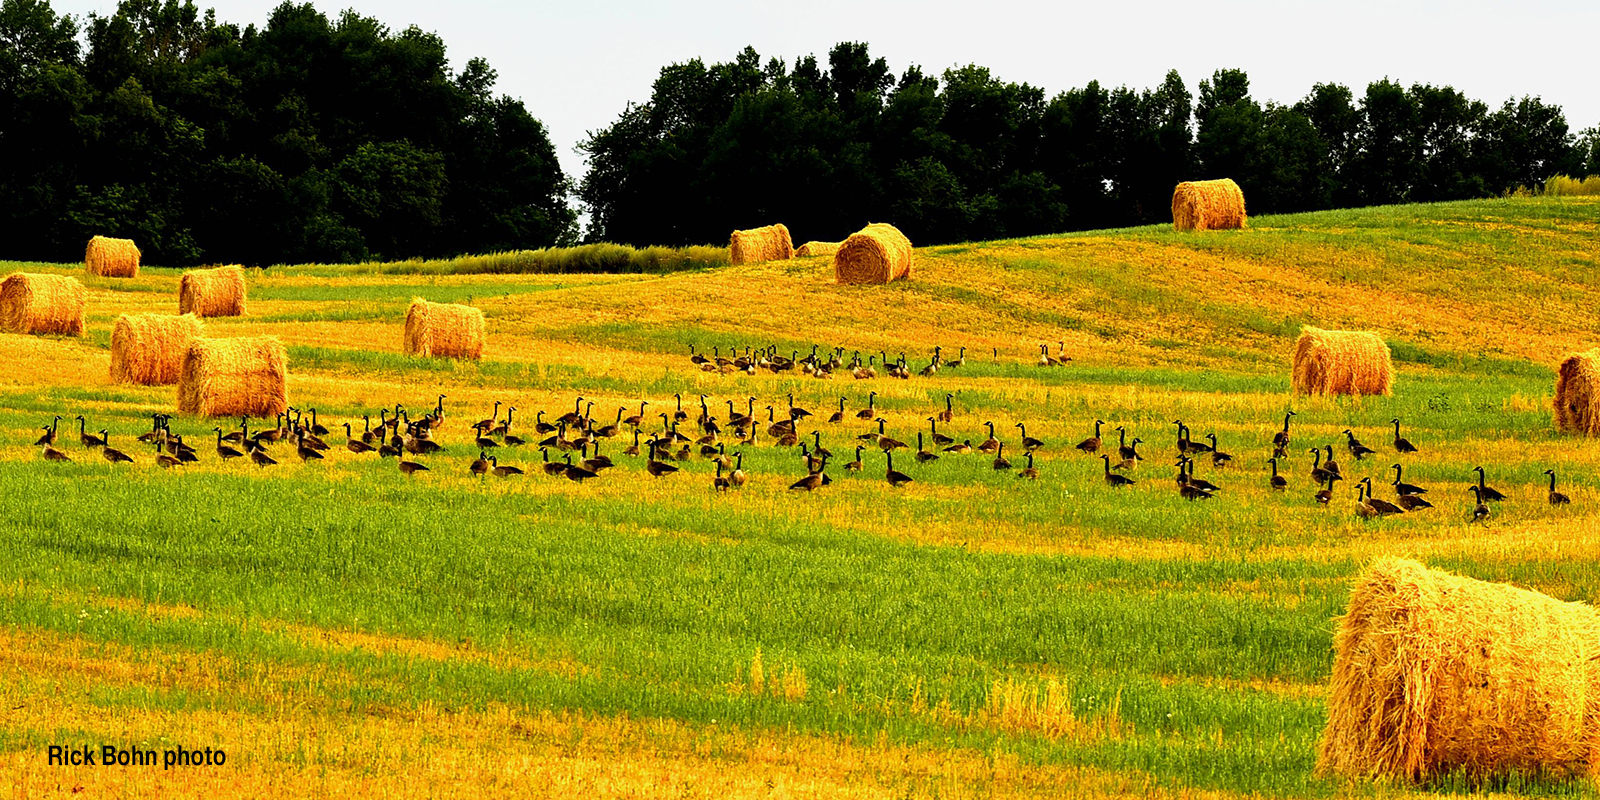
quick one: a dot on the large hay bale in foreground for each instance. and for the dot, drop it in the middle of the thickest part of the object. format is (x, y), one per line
(817, 249)
(878, 253)
(217, 292)
(31, 302)
(445, 330)
(148, 349)
(1341, 362)
(756, 245)
(1577, 382)
(1435, 674)
(229, 377)
(1208, 205)
(111, 258)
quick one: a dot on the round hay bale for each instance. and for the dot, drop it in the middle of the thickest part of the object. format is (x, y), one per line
(111, 258)
(231, 377)
(31, 302)
(444, 330)
(1208, 205)
(1434, 674)
(1341, 362)
(217, 292)
(817, 249)
(1576, 383)
(878, 253)
(148, 349)
(756, 245)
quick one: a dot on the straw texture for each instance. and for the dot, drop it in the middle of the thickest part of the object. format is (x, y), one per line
(148, 349)
(217, 292)
(756, 245)
(817, 249)
(111, 258)
(227, 377)
(878, 253)
(36, 303)
(1435, 673)
(1208, 205)
(444, 330)
(1575, 394)
(1341, 362)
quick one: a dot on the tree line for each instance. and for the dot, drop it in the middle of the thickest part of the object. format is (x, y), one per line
(336, 139)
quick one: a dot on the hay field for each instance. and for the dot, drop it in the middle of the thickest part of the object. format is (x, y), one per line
(338, 627)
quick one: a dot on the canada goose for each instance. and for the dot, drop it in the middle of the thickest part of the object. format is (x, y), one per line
(184, 453)
(1480, 512)
(1028, 442)
(238, 436)
(1112, 479)
(1330, 465)
(1486, 494)
(777, 429)
(117, 456)
(1357, 449)
(163, 459)
(89, 440)
(1000, 461)
(479, 465)
(855, 466)
(1403, 489)
(1383, 507)
(949, 412)
(258, 456)
(316, 428)
(225, 452)
(412, 467)
(1278, 482)
(991, 444)
(891, 475)
(367, 436)
(1218, 458)
(305, 451)
(721, 457)
(719, 483)
(1281, 438)
(1556, 498)
(1186, 470)
(1364, 509)
(959, 360)
(155, 430)
(437, 417)
(813, 462)
(1126, 451)
(923, 456)
(656, 468)
(1325, 494)
(1190, 488)
(540, 426)
(837, 416)
(385, 450)
(1319, 474)
(1091, 445)
(484, 424)
(351, 443)
(482, 440)
(1045, 359)
(737, 477)
(49, 437)
(871, 411)
(502, 470)
(504, 430)
(596, 462)
(938, 438)
(1412, 502)
(679, 414)
(1029, 471)
(696, 358)
(554, 469)
(1186, 444)
(811, 483)
(961, 449)
(816, 445)
(1133, 461)
(52, 454)
(1401, 444)
(885, 441)
(637, 419)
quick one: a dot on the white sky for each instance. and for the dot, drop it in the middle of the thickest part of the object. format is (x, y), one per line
(577, 64)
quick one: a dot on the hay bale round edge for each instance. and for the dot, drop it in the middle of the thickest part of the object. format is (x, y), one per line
(228, 377)
(1341, 362)
(817, 249)
(878, 253)
(444, 330)
(770, 243)
(32, 302)
(111, 258)
(148, 349)
(1208, 205)
(1576, 386)
(216, 292)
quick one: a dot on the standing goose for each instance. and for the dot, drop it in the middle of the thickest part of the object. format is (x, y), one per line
(1029, 471)
(795, 412)
(1278, 482)
(871, 411)
(1112, 479)
(1126, 451)
(1134, 459)
(258, 456)
(1281, 438)
(485, 424)
(1091, 445)
(1357, 449)
(1556, 498)
(351, 443)
(1401, 488)
(1190, 487)
(479, 465)
(163, 459)
(554, 469)
(885, 441)
(1413, 502)
(1186, 473)
(1401, 444)
(502, 470)
(949, 412)
(923, 456)
(939, 439)
(1218, 458)
(1330, 465)
(1364, 509)
(894, 477)
(656, 468)
(1484, 492)
(225, 452)
(633, 449)
(855, 466)
(88, 440)
(116, 456)
(811, 483)
(575, 473)
(959, 360)
(1045, 359)
(305, 451)
(52, 454)
(837, 416)
(540, 426)
(1383, 507)
(1325, 494)
(738, 477)
(961, 449)
(316, 429)
(1480, 512)
(991, 444)
(1028, 442)
(638, 419)
(411, 467)
(1000, 461)
(49, 437)
(719, 483)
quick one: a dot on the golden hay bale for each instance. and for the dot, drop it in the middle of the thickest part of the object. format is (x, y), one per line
(1435, 673)
(35, 303)
(111, 258)
(878, 253)
(756, 245)
(817, 249)
(217, 292)
(1341, 362)
(1576, 384)
(446, 330)
(148, 349)
(1208, 205)
(227, 377)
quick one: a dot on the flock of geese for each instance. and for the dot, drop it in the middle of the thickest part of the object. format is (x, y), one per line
(824, 366)
(577, 436)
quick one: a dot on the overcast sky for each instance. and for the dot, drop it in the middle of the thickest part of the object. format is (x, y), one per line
(577, 64)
